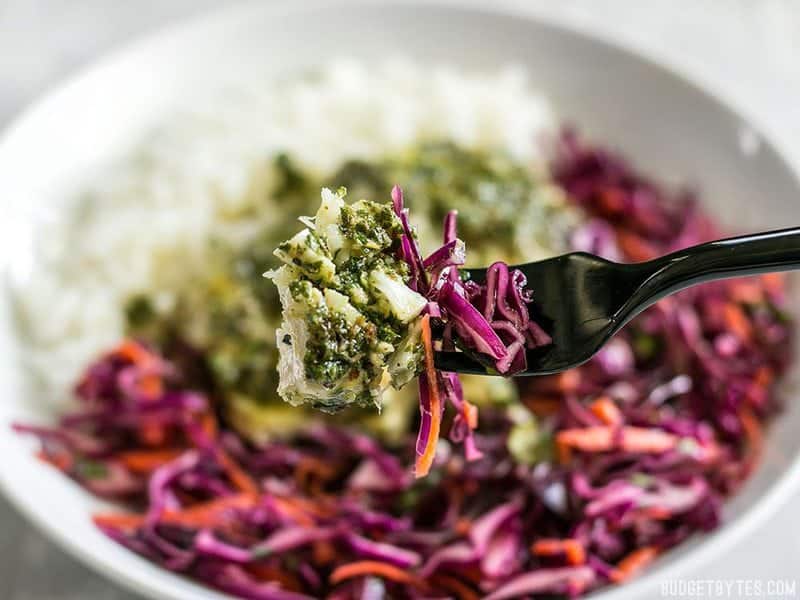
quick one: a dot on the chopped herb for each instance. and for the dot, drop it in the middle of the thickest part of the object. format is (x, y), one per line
(347, 307)
(139, 311)
(91, 469)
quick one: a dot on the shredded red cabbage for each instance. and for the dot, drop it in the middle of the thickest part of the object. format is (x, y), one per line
(646, 440)
(491, 321)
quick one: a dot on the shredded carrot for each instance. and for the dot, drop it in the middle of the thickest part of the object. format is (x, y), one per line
(266, 572)
(563, 452)
(462, 526)
(470, 414)
(197, 516)
(630, 439)
(311, 507)
(605, 410)
(303, 510)
(611, 201)
(384, 570)
(152, 434)
(774, 282)
(634, 562)
(567, 381)
(588, 439)
(134, 352)
(571, 548)
(642, 439)
(208, 422)
(61, 461)
(323, 553)
(452, 585)
(759, 388)
(119, 521)
(634, 246)
(764, 377)
(309, 467)
(753, 431)
(657, 513)
(291, 510)
(737, 321)
(425, 460)
(207, 513)
(747, 291)
(236, 474)
(151, 386)
(576, 555)
(145, 461)
(547, 547)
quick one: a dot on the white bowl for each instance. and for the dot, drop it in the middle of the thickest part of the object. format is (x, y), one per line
(670, 126)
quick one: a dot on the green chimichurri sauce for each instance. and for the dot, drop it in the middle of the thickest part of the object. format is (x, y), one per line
(231, 313)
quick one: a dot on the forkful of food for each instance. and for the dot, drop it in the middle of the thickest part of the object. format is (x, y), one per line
(364, 309)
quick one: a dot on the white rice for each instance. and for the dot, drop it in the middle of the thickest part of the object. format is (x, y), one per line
(143, 225)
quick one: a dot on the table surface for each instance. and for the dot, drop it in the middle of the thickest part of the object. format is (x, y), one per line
(748, 50)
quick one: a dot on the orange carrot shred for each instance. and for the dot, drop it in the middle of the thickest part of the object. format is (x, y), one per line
(462, 526)
(311, 466)
(289, 509)
(764, 377)
(62, 461)
(379, 569)
(576, 555)
(588, 439)
(145, 461)
(209, 424)
(634, 246)
(236, 474)
(634, 562)
(265, 572)
(425, 460)
(774, 282)
(657, 513)
(470, 414)
(207, 513)
(753, 430)
(546, 547)
(152, 434)
(151, 386)
(605, 410)
(572, 549)
(611, 200)
(747, 291)
(323, 553)
(198, 516)
(642, 439)
(119, 521)
(563, 452)
(603, 438)
(737, 321)
(567, 381)
(133, 351)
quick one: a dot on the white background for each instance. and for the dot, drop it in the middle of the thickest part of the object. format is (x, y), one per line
(747, 49)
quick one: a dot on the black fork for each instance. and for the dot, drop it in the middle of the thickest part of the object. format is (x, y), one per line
(582, 300)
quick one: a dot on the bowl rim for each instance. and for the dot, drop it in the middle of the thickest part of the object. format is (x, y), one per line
(711, 545)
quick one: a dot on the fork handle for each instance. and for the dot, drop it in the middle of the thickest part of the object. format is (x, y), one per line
(766, 252)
